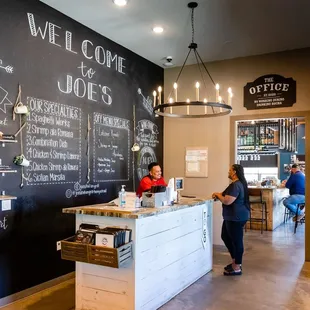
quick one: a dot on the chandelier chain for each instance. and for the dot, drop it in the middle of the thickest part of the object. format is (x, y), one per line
(205, 68)
(193, 29)
(224, 109)
(203, 79)
(176, 81)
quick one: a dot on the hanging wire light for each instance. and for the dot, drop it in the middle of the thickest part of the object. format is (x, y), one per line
(218, 107)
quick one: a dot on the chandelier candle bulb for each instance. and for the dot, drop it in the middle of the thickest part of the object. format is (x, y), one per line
(154, 95)
(217, 92)
(175, 86)
(197, 91)
(159, 94)
(206, 108)
(220, 101)
(170, 101)
(230, 95)
(187, 107)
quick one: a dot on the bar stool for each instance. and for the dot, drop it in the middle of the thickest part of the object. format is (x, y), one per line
(256, 197)
(300, 206)
(287, 212)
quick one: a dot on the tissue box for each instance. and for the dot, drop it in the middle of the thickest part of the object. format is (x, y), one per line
(154, 200)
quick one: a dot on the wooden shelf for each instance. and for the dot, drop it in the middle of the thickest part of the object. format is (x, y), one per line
(7, 141)
(6, 197)
(8, 171)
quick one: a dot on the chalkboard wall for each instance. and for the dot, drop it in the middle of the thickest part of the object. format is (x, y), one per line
(81, 90)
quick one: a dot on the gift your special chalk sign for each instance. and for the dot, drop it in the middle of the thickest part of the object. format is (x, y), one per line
(270, 91)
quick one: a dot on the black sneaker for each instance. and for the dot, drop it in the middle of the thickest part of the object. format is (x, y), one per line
(232, 272)
(229, 267)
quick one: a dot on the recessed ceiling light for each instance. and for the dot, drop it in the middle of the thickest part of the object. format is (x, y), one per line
(120, 2)
(158, 29)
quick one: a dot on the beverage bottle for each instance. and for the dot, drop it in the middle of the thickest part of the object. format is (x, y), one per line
(122, 197)
(137, 202)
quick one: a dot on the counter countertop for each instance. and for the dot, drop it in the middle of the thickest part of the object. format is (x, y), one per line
(106, 209)
(267, 187)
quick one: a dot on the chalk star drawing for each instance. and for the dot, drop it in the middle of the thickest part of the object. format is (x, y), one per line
(4, 100)
(8, 69)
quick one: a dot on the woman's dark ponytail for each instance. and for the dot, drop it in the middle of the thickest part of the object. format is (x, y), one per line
(240, 174)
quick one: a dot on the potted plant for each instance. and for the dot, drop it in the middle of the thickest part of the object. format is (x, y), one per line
(21, 160)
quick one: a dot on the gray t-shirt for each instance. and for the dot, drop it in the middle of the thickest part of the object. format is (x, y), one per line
(237, 211)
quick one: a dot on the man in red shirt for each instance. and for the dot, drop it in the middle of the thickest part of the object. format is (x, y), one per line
(152, 179)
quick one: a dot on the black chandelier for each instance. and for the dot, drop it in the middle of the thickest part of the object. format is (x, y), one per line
(218, 107)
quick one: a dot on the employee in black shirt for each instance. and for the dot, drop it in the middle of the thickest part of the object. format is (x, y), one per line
(235, 203)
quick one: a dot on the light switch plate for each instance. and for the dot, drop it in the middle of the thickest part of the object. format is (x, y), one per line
(58, 245)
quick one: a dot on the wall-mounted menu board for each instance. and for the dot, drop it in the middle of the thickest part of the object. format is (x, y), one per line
(80, 90)
(111, 153)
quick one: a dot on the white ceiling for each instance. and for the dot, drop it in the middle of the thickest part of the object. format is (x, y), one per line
(224, 28)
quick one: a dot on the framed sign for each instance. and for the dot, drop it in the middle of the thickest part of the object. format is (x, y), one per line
(270, 91)
(196, 162)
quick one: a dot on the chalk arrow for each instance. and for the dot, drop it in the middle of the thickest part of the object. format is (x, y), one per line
(8, 69)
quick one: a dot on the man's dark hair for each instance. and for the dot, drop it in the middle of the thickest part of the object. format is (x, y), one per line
(151, 165)
(295, 166)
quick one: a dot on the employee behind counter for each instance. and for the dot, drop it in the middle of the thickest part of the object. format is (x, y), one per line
(154, 178)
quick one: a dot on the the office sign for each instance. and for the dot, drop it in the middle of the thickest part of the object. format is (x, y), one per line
(270, 91)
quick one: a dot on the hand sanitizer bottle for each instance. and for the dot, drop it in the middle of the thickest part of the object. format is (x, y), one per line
(122, 197)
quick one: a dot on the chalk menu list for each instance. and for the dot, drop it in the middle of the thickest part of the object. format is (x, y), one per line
(53, 143)
(111, 148)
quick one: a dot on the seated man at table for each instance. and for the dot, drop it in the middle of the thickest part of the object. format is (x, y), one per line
(152, 179)
(296, 185)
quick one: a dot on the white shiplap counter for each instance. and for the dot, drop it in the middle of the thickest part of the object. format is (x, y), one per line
(170, 253)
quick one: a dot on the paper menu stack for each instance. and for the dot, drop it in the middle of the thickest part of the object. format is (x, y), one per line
(112, 237)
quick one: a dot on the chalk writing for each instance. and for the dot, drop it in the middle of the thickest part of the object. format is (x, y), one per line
(3, 223)
(147, 138)
(4, 122)
(86, 89)
(85, 189)
(53, 143)
(111, 148)
(62, 38)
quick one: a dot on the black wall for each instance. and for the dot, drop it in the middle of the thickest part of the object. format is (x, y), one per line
(64, 100)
